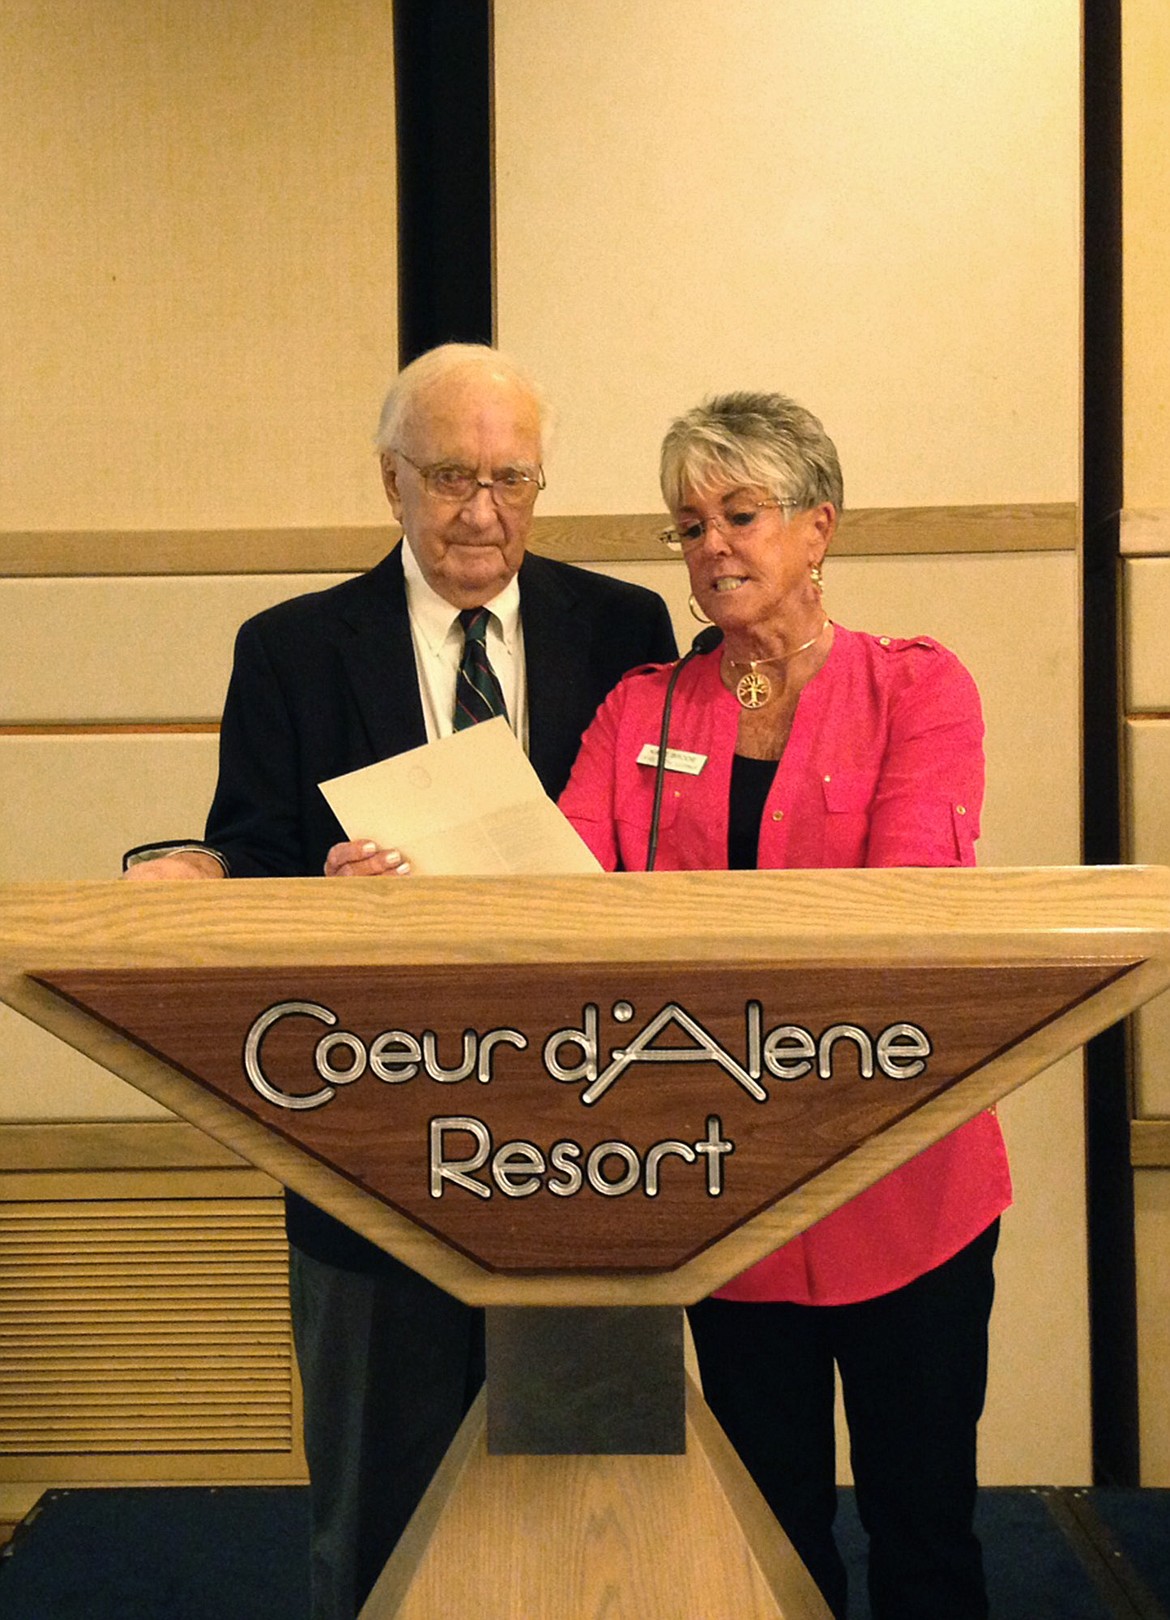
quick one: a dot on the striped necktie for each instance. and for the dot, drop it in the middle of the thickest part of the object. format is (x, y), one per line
(477, 691)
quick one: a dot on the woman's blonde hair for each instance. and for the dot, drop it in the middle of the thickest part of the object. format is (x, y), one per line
(762, 441)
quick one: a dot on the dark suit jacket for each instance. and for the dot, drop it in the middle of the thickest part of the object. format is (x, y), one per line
(326, 683)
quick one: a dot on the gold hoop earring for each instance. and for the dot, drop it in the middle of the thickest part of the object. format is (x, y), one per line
(696, 611)
(815, 575)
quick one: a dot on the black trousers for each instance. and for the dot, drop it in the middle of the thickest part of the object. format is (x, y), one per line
(913, 1366)
(389, 1366)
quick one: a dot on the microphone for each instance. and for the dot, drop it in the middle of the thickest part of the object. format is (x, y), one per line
(706, 641)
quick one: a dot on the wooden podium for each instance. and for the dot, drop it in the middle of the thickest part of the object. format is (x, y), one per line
(584, 1103)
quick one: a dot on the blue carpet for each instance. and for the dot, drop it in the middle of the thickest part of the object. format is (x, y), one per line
(1033, 1571)
(240, 1553)
(1138, 1523)
(157, 1553)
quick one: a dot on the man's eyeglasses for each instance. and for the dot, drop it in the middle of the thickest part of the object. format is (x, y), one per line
(448, 481)
(684, 536)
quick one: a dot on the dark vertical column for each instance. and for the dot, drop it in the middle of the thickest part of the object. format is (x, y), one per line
(1112, 1286)
(442, 76)
(585, 1380)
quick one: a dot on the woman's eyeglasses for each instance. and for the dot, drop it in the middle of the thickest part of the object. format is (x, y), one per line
(682, 536)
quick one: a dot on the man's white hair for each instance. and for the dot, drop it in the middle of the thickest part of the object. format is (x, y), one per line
(448, 360)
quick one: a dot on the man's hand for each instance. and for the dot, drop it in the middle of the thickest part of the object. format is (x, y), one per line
(364, 858)
(187, 863)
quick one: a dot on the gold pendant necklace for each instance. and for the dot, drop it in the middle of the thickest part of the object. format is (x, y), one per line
(753, 690)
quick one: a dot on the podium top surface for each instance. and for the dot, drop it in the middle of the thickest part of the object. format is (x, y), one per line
(676, 916)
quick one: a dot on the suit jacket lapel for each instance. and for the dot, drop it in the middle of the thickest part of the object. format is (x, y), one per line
(554, 658)
(378, 654)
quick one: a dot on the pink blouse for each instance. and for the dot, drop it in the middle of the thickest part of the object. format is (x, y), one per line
(883, 767)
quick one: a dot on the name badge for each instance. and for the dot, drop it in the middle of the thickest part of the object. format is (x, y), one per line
(677, 759)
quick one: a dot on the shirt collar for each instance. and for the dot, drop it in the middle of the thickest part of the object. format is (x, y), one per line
(434, 617)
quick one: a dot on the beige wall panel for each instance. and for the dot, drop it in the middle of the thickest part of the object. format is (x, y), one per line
(1151, 1059)
(1014, 621)
(1148, 783)
(1147, 615)
(1145, 529)
(1152, 1200)
(126, 650)
(1036, 1428)
(71, 804)
(1148, 775)
(875, 209)
(199, 281)
(42, 1079)
(1146, 216)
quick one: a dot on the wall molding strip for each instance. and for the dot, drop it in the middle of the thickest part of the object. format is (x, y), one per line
(595, 537)
(113, 728)
(113, 1145)
(1149, 1144)
(1145, 532)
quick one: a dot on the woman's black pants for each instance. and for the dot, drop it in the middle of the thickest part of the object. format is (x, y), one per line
(913, 1366)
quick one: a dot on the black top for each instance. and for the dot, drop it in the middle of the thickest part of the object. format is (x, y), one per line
(750, 782)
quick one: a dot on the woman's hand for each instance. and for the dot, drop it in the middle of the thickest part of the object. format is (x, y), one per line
(364, 858)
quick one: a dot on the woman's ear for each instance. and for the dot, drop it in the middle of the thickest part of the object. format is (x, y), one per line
(823, 528)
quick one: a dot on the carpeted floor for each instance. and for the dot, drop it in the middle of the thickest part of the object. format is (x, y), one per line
(240, 1554)
(160, 1554)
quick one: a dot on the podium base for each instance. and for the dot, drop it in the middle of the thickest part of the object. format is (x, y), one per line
(581, 1537)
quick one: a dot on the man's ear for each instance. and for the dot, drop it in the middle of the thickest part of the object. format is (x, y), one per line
(390, 483)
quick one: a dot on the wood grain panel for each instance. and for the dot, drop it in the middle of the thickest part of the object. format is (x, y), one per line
(1149, 1144)
(655, 1537)
(598, 537)
(132, 1327)
(864, 532)
(99, 1145)
(696, 921)
(90, 554)
(611, 1148)
(143, 1306)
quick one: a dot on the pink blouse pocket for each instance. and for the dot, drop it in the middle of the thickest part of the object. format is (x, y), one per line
(848, 799)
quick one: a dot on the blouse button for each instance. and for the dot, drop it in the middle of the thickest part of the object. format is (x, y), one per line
(777, 815)
(883, 641)
(826, 777)
(960, 809)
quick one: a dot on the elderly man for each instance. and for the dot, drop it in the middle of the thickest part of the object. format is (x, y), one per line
(330, 682)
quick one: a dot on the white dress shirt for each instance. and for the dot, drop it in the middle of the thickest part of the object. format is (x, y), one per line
(438, 646)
